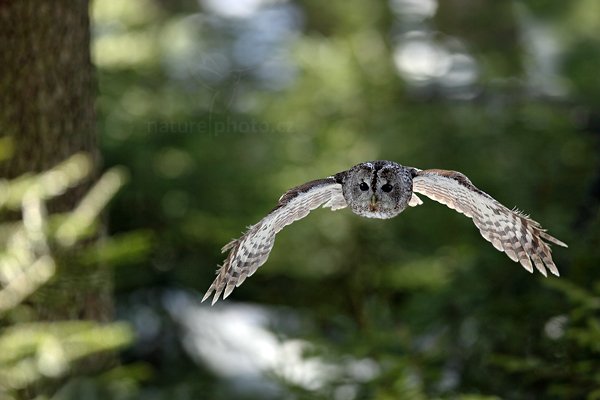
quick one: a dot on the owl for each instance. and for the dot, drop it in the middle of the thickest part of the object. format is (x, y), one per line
(383, 189)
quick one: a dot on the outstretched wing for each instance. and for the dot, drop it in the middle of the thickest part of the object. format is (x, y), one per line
(521, 238)
(251, 250)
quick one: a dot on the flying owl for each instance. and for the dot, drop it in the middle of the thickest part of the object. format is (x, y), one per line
(383, 189)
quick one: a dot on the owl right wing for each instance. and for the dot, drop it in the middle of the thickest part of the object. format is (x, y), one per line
(520, 237)
(251, 250)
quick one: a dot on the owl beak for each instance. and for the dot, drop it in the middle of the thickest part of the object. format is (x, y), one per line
(373, 204)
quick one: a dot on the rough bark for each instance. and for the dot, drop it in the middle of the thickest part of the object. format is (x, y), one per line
(47, 95)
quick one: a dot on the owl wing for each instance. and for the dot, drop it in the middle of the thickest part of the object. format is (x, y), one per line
(521, 238)
(251, 250)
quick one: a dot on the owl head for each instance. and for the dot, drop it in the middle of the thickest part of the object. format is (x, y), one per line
(377, 189)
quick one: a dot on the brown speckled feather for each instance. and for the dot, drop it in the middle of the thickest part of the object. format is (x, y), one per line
(520, 237)
(251, 250)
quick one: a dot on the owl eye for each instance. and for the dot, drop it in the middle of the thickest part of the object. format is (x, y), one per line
(387, 187)
(364, 187)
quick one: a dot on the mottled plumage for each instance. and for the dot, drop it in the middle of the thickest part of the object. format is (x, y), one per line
(383, 189)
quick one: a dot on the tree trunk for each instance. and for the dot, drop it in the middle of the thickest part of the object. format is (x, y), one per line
(47, 92)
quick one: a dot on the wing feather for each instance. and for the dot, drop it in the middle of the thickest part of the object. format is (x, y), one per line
(521, 238)
(252, 249)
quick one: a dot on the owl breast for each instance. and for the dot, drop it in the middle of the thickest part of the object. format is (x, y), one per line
(377, 189)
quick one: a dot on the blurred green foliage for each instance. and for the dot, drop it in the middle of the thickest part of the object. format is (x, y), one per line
(34, 253)
(216, 116)
(217, 107)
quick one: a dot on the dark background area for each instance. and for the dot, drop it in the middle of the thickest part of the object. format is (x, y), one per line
(217, 107)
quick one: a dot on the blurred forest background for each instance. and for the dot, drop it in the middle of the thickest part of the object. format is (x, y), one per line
(209, 110)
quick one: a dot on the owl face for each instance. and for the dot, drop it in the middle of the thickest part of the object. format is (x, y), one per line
(378, 189)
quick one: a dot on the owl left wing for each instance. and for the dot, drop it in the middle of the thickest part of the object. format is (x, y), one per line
(251, 250)
(521, 238)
